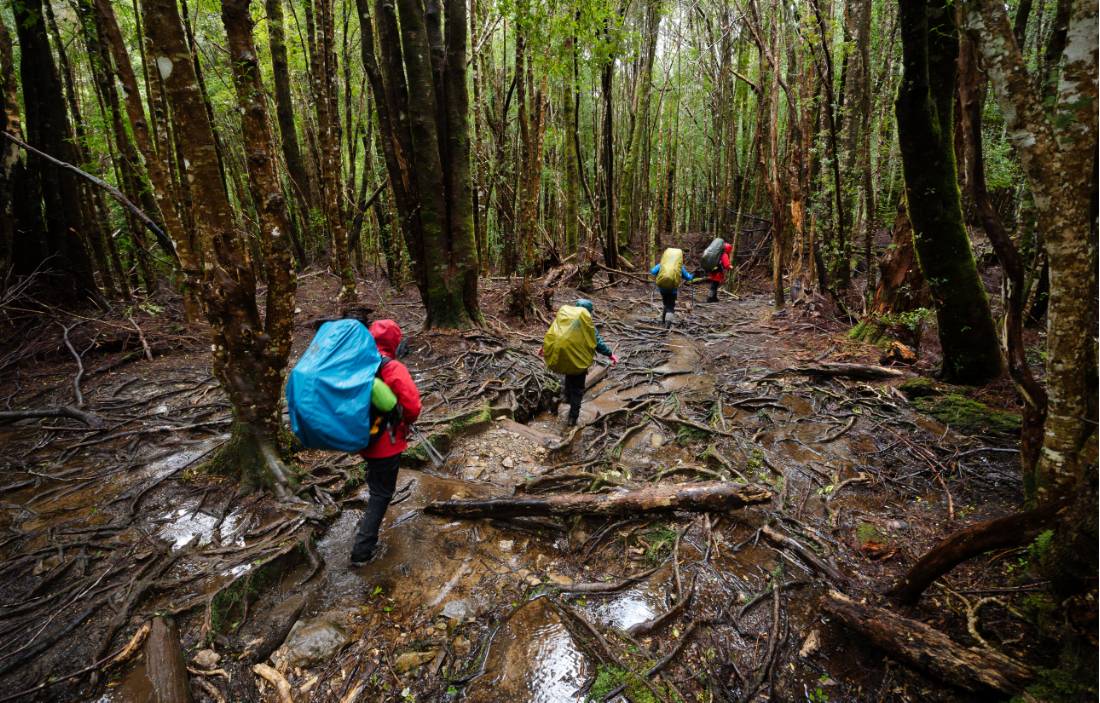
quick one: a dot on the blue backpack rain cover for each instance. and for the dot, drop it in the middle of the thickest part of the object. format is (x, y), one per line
(328, 392)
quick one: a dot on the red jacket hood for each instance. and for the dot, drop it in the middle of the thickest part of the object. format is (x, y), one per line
(387, 335)
(728, 248)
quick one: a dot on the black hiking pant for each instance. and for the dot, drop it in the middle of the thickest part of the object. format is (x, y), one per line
(714, 285)
(668, 301)
(381, 481)
(574, 394)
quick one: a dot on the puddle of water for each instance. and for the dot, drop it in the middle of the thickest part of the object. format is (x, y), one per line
(533, 658)
(184, 525)
(624, 610)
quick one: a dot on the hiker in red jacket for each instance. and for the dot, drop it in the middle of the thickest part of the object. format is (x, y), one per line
(718, 276)
(383, 454)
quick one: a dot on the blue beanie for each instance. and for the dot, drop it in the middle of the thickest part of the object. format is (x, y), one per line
(586, 304)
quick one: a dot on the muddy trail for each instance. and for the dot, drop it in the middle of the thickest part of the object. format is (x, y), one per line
(107, 527)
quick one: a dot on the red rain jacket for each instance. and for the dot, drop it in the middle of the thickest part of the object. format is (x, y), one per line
(387, 335)
(720, 275)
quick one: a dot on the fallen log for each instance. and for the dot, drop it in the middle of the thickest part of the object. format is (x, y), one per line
(164, 664)
(93, 421)
(971, 668)
(709, 496)
(981, 537)
(863, 372)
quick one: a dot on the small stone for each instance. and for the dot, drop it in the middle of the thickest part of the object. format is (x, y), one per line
(896, 525)
(411, 660)
(314, 640)
(508, 462)
(656, 440)
(533, 580)
(810, 645)
(206, 659)
(506, 545)
(457, 610)
(523, 573)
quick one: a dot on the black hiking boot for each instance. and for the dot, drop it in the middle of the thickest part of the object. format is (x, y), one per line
(362, 559)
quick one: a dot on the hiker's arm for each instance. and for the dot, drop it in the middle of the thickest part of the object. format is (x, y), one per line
(686, 274)
(655, 270)
(601, 346)
(401, 383)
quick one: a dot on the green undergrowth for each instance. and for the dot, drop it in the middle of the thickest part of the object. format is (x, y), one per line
(609, 678)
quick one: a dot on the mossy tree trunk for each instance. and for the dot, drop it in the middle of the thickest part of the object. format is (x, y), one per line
(422, 110)
(249, 352)
(925, 115)
(1057, 147)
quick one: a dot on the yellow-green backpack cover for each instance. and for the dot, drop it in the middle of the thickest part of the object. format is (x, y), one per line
(569, 346)
(672, 263)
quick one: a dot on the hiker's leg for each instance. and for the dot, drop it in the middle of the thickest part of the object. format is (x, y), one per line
(574, 395)
(381, 481)
(713, 292)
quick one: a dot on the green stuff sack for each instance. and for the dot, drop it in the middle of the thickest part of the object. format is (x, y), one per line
(382, 398)
(569, 346)
(672, 263)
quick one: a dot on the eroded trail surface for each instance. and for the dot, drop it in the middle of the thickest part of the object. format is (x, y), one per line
(648, 606)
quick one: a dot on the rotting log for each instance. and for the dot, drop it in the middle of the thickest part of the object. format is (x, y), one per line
(926, 648)
(999, 533)
(164, 664)
(862, 372)
(709, 496)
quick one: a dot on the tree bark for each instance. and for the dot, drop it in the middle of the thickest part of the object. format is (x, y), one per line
(925, 115)
(627, 206)
(10, 123)
(693, 497)
(923, 647)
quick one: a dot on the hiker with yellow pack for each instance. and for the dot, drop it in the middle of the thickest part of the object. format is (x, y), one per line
(670, 273)
(570, 347)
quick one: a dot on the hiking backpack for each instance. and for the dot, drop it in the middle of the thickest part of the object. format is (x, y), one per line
(569, 346)
(712, 255)
(329, 390)
(670, 275)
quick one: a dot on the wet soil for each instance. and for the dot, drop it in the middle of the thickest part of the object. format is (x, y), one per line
(507, 610)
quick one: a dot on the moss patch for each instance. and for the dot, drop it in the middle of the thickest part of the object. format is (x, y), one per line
(968, 416)
(920, 387)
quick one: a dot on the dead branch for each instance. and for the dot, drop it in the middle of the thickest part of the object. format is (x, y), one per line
(92, 421)
(863, 372)
(969, 542)
(928, 649)
(272, 676)
(710, 496)
(779, 539)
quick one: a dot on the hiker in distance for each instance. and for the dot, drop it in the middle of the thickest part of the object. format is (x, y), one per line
(570, 347)
(383, 454)
(716, 266)
(670, 273)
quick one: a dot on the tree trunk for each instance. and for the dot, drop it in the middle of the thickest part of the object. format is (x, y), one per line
(50, 238)
(571, 212)
(328, 126)
(607, 161)
(925, 131)
(155, 163)
(627, 207)
(301, 184)
(1058, 154)
(10, 123)
(698, 497)
(428, 162)
(246, 352)
(973, 669)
